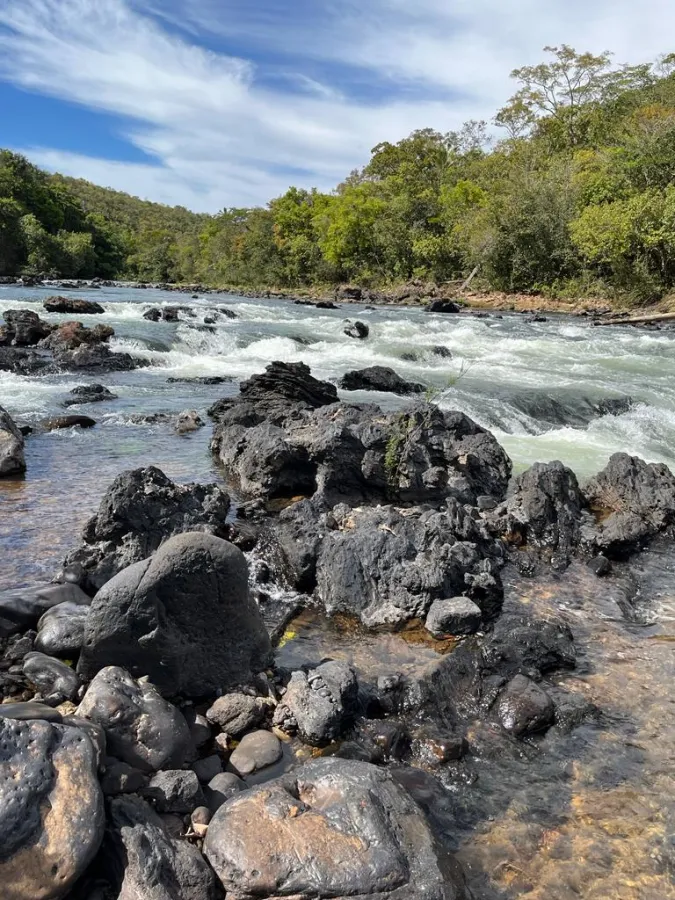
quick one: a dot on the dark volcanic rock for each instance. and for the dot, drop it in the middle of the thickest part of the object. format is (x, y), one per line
(456, 615)
(23, 328)
(184, 617)
(61, 630)
(59, 422)
(143, 862)
(202, 379)
(379, 378)
(174, 791)
(319, 704)
(289, 383)
(140, 510)
(221, 788)
(524, 708)
(357, 330)
(51, 808)
(89, 393)
(236, 713)
(259, 843)
(142, 729)
(72, 305)
(443, 306)
(632, 501)
(54, 679)
(12, 460)
(24, 606)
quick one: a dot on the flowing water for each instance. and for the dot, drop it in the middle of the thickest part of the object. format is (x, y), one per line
(587, 815)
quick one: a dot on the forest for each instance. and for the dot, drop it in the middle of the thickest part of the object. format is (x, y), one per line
(569, 192)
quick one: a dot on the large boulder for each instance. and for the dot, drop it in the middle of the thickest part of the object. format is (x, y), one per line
(379, 378)
(184, 617)
(23, 328)
(72, 305)
(632, 501)
(333, 828)
(12, 460)
(141, 861)
(142, 728)
(140, 510)
(51, 808)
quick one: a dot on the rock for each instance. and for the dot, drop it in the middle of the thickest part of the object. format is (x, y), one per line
(319, 704)
(379, 378)
(51, 808)
(25, 606)
(457, 615)
(524, 708)
(206, 769)
(142, 728)
(61, 630)
(221, 788)
(357, 330)
(59, 422)
(388, 568)
(283, 385)
(184, 617)
(12, 460)
(600, 566)
(522, 644)
(72, 335)
(89, 393)
(632, 501)
(443, 306)
(140, 510)
(121, 778)
(199, 819)
(326, 304)
(236, 713)
(544, 509)
(176, 791)
(198, 725)
(255, 751)
(440, 350)
(72, 305)
(363, 833)
(349, 292)
(434, 748)
(54, 679)
(31, 710)
(143, 862)
(23, 328)
(202, 379)
(188, 420)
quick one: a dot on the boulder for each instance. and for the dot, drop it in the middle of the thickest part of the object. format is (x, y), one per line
(207, 768)
(57, 423)
(72, 305)
(456, 615)
(54, 679)
(524, 708)
(175, 791)
(89, 393)
(187, 421)
(61, 630)
(236, 713)
(632, 501)
(143, 862)
(142, 729)
(257, 750)
(363, 833)
(184, 617)
(72, 335)
(140, 510)
(443, 306)
(319, 704)
(12, 460)
(51, 808)
(379, 378)
(357, 329)
(23, 328)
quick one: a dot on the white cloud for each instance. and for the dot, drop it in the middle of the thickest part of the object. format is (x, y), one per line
(222, 136)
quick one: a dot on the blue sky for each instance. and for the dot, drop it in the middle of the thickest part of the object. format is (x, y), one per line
(213, 103)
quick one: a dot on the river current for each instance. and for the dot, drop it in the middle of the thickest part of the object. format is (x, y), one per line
(586, 815)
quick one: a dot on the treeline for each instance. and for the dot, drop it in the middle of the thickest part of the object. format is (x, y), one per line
(576, 199)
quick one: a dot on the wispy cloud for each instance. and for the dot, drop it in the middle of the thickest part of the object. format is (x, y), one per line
(237, 99)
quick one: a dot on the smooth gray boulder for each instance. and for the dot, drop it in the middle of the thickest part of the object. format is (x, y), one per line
(236, 713)
(12, 460)
(364, 835)
(184, 617)
(257, 750)
(319, 704)
(174, 791)
(141, 509)
(61, 630)
(51, 808)
(143, 862)
(142, 728)
(54, 679)
(21, 608)
(455, 615)
(221, 788)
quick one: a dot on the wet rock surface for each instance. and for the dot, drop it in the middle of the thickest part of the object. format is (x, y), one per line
(61, 630)
(54, 679)
(140, 510)
(89, 393)
(320, 704)
(23, 328)
(72, 305)
(12, 459)
(184, 617)
(379, 378)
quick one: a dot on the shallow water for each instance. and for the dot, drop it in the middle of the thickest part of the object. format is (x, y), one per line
(532, 384)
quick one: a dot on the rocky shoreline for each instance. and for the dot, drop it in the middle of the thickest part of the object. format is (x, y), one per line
(152, 747)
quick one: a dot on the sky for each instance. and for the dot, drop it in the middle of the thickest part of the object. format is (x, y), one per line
(218, 103)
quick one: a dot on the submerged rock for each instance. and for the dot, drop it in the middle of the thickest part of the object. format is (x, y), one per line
(357, 329)
(12, 460)
(51, 808)
(187, 421)
(524, 708)
(184, 617)
(72, 305)
(443, 306)
(379, 378)
(330, 811)
(142, 729)
(89, 393)
(140, 510)
(57, 423)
